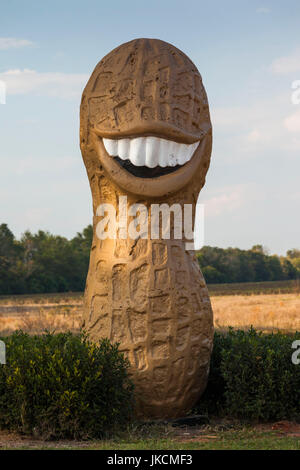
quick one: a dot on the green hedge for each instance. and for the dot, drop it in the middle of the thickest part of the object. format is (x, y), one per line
(252, 377)
(62, 386)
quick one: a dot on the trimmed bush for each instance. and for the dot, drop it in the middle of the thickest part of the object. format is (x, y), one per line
(63, 386)
(252, 377)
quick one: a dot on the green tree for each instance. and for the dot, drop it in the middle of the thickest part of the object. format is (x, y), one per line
(289, 270)
(11, 266)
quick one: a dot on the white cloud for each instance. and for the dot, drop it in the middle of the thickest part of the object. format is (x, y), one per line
(58, 84)
(292, 122)
(254, 136)
(257, 130)
(227, 200)
(264, 128)
(287, 65)
(14, 43)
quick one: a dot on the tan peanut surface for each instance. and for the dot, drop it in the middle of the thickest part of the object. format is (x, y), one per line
(148, 294)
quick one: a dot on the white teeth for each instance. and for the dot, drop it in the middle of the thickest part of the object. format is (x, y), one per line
(123, 148)
(150, 151)
(163, 152)
(111, 146)
(137, 151)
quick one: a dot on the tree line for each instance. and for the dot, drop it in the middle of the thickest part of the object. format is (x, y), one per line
(43, 263)
(255, 265)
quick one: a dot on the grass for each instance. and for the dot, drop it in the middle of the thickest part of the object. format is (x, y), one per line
(55, 299)
(168, 438)
(241, 288)
(246, 440)
(271, 306)
(58, 320)
(266, 313)
(250, 288)
(39, 312)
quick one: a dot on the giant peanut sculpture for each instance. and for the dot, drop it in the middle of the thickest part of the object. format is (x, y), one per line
(146, 134)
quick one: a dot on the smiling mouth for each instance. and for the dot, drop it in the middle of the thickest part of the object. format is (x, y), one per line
(149, 157)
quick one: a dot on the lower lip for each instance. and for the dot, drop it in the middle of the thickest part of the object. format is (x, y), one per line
(159, 186)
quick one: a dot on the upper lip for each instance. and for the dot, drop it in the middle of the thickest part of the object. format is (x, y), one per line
(165, 130)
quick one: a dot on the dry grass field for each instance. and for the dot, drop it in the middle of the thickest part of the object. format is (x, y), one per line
(40, 312)
(234, 305)
(250, 288)
(39, 323)
(265, 312)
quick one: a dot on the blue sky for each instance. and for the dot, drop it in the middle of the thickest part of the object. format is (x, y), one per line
(248, 53)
